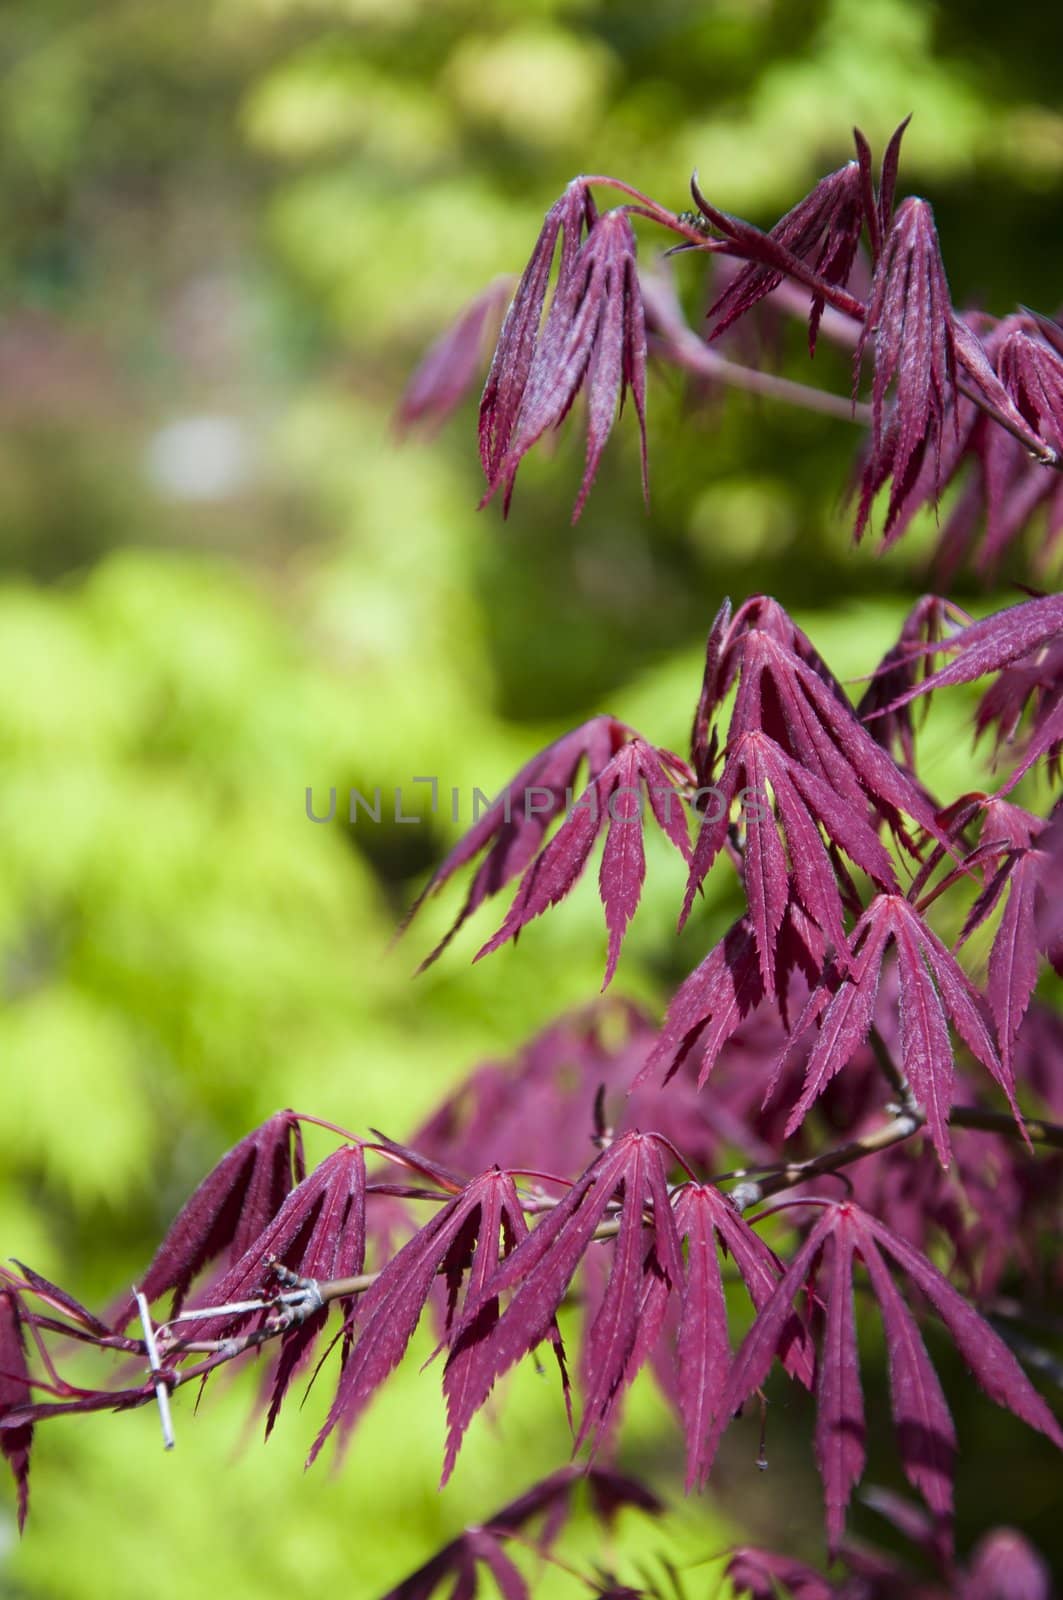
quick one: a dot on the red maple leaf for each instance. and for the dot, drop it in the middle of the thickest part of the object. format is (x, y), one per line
(925, 1433)
(932, 989)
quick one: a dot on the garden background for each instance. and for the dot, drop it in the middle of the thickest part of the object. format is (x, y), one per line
(229, 229)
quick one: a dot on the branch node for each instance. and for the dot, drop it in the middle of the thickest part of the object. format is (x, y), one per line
(744, 1195)
(302, 1296)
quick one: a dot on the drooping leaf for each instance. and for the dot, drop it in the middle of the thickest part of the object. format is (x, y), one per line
(777, 792)
(932, 988)
(1000, 639)
(926, 1437)
(840, 1427)
(636, 773)
(708, 1221)
(1017, 636)
(626, 774)
(15, 1442)
(548, 1504)
(703, 1350)
(709, 1006)
(499, 1226)
(764, 1575)
(334, 1249)
(449, 369)
(902, 667)
(786, 692)
(390, 1310)
(909, 327)
(924, 1426)
(994, 1366)
(228, 1212)
(594, 336)
(318, 1233)
(1008, 835)
(511, 365)
(724, 991)
(632, 1172)
(61, 1298)
(1032, 373)
(822, 229)
(461, 1561)
(761, 1344)
(513, 827)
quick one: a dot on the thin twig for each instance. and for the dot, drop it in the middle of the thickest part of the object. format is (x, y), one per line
(891, 1071)
(162, 1389)
(693, 355)
(751, 1191)
(1040, 1131)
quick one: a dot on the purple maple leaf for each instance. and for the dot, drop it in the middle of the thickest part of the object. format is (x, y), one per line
(319, 1232)
(1008, 835)
(1009, 483)
(329, 1208)
(450, 367)
(763, 1575)
(925, 1434)
(903, 667)
(511, 364)
(786, 691)
(724, 990)
(594, 337)
(801, 803)
(996, 642)
(708, 1221)
(1031, 370)
(932, 989)
(15, 1442)
(637, 772)
(82, 1324)
(461, 1560)
(624, 772)
(391, 1308)
(823, 229)
(228, 1212)
(633, 1171)
(482, 1546)
(1025, 644)
(513, 827)
(909, 328)
(878, 208)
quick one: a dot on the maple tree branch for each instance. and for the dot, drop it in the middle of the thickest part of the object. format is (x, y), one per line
(686, 350)
(1040, 1131)
(892, 1072)
(300, 1298)
(303, 1296)
(907, 1122)
(752, 1190)
(745, 242)
(834, 325)
(1037, 1129)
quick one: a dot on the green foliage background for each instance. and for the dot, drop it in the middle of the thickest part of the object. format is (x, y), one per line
(259, 212)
